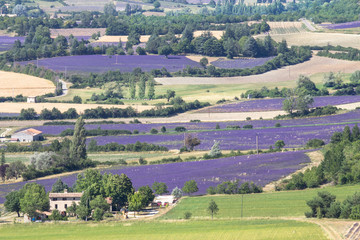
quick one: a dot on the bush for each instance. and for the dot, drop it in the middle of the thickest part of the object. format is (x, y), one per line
(98, 214)
(154, 131)
(233, 127)
(277, 125)
(180, 129)
(315, 143)
(248, 126)
(187, 215)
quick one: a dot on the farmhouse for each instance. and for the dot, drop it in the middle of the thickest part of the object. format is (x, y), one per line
(28, 135)
(61, 201)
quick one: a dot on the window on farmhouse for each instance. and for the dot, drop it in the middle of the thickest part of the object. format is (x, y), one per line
(73, 198)
(64, 198)
(65, 206)
(54, 199)
(56, 206)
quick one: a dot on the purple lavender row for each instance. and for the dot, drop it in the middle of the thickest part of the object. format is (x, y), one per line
(241, 63)
(123, 63)
(353, 116)
(6, 42)
(294, 137)
(261, 169)
(276, 104)
(354, 24)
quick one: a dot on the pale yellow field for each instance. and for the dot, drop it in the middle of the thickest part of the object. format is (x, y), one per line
(217, 34)
(286, 74)
(318, 39)
(197, 58)
(154, 14)
(286, 27)
(12, 84)
(143, 38)
(77, 31)
(9, 107)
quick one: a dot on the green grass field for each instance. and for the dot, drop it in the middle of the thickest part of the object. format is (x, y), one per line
(275, 204)
(162, 230)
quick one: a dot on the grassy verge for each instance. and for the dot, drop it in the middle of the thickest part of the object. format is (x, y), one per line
(275, 204)
(204, 229)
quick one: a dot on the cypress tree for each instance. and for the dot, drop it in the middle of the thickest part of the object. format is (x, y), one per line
(151, 89)
(355, 133)
(2, 158)
(78, 146)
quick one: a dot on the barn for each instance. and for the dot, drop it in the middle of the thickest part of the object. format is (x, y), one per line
(28, 135)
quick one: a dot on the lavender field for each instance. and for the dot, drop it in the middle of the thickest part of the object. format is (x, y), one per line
(7, 42)
(294, 137)
(349, 117)
(261, 169)
(354, 24)
(275, 104)
(241, 63)
(123, 63)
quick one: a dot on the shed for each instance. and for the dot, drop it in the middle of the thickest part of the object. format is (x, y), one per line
(31, 99)
(28, 135)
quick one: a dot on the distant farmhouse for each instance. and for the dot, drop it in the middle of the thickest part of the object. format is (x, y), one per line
(28, 135)
(61, 201)
(31, 99)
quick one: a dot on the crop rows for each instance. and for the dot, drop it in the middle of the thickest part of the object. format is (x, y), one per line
(354, 24)
(261, 169)
(123, 63)
(276, 104)
(241, 63)
(7, 42)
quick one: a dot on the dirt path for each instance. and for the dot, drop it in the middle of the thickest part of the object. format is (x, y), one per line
(290, 73)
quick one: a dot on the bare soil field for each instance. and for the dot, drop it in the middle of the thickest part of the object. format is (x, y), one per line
(107, 38)
(318, 39)
(290, 73)
(76, 32)
(9, 107)
(12, 84)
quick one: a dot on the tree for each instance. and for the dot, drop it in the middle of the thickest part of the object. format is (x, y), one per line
(157, 4)
(98, 214)
(165, 50)
(118, 188)
(204, 62)
(35, 198)
(12, 202)
(346, 136)
(15, 169)
(100, 203)
(28, 114)
(147, 195)
(82, 212)
(132, 88)
(78, 145)
(142, 86)
(304, 103)
(215, 150)
(110, 9)
(305, 86)
(289, 104)
(151, 89)
(191, 142)
(159, 188)
(135, 202)
(170, 94)
(77, 99)
(190, 187)
(3, 160)
(3, 166)
(163, 129)
(59, 186)
(279, 144)
(250, 48)
(56, 216)
(176, 192)
(43, 160)
(71, 210)
(355, 77)
(213, 208)
(355, 133)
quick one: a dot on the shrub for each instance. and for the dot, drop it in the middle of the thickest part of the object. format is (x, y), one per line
(98, 214)
(233, 127)
(136, 131)
(248, 126)
(248, 118)
(154, 131)
(180, 129)
(187, 215)
(315, 143)
(277, 125)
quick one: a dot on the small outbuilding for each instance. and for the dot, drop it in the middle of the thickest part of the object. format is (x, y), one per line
(31, 99)
(28, 135)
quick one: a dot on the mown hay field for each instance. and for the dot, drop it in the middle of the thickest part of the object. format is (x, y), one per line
(10, 107)
(12, 84)
(318, 39)
(286, 27)
(274, 204)
(167, 230)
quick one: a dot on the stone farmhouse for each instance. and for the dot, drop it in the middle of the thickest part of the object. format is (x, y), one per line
(28, 135)
(61, 201)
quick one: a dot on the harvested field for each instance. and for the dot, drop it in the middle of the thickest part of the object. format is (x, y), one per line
(217, 34)
(76, 32)
(286, 27)
(318, 39)
(154, 14)
(12, 84)
(290, 73)
(9, 107)
(143, 38)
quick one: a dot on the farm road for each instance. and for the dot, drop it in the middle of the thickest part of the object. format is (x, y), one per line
(308, 24)
(290, 73)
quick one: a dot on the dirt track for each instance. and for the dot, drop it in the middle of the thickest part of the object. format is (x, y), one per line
(314, 65)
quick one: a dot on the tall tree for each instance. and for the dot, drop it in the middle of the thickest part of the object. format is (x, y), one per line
(159, 188)
(151, 89)
(142, 86)
(213, 208)
(35, 198)
(78, 146)
(12, 202)
(135, 202)
(132, 88)
(190, 187)
(59, 186)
